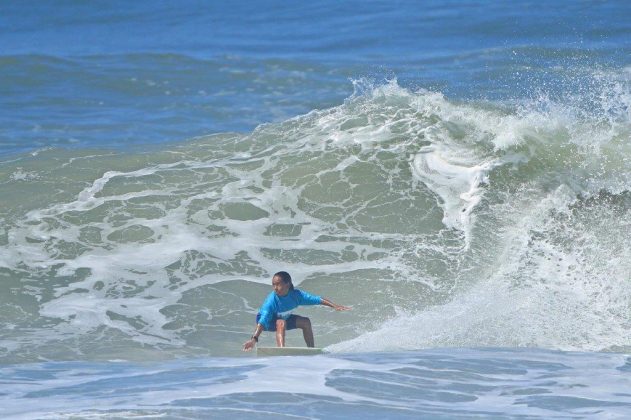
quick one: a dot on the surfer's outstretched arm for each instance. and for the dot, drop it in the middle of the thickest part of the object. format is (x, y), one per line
(248, 345)
(337, 307)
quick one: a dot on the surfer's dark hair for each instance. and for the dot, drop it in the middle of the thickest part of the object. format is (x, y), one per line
(286, 278)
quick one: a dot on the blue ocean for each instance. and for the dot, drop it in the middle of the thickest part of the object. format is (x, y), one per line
(459, 173)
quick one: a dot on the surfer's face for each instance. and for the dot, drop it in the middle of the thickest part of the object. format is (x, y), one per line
(280, 287)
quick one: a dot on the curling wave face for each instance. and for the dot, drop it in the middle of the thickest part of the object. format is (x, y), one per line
(442, 223)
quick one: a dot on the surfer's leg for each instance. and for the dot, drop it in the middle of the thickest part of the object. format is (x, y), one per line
(304, 324)
(280, 332)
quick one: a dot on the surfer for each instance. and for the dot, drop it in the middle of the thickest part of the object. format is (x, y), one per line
(275, 313)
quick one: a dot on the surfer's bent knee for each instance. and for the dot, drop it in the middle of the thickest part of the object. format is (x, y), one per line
(303, 322)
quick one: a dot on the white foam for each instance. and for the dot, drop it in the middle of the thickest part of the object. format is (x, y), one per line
(541, 294)
(459, 186)
(20, 175)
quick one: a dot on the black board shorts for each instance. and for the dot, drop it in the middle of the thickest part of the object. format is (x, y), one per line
(289, 325)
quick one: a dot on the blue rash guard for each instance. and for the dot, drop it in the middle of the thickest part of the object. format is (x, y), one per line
(281, 306)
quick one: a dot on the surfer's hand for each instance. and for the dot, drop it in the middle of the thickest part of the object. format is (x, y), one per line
(248, 345)
(335, 306)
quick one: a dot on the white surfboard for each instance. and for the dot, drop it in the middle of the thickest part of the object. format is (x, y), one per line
(287, 351)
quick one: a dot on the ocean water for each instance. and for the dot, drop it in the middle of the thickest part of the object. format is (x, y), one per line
(442, 384)
(457, 172)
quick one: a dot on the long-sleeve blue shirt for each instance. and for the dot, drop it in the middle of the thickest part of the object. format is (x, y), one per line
(276, 306)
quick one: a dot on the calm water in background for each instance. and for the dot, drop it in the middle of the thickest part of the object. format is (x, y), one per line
(118, 73)
(458, 172)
